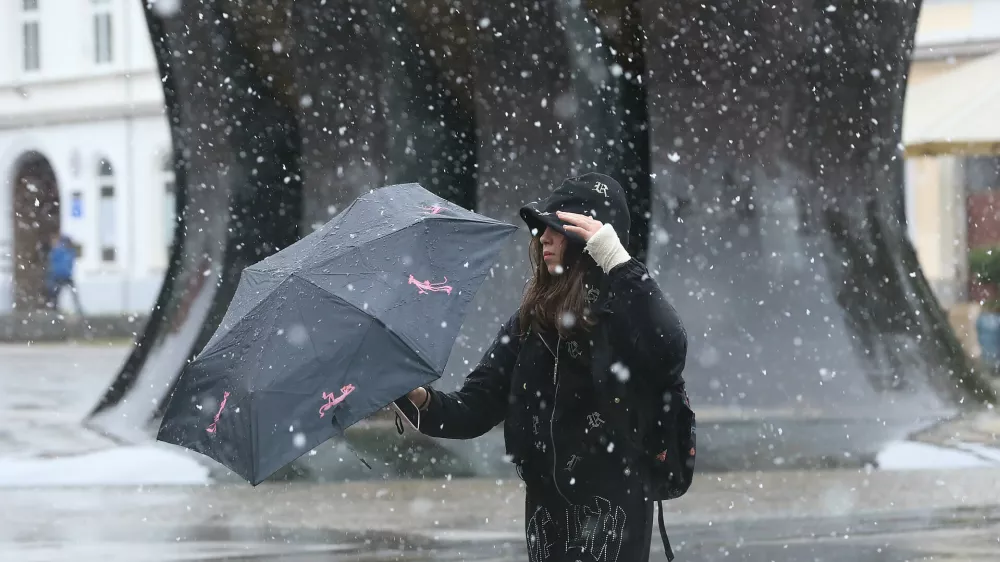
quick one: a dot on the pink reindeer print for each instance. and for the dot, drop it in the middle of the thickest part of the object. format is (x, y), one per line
(212, 428)
(332, 398)
(424, 287)
(434, 209)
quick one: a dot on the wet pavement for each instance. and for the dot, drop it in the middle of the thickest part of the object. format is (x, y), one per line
(45, 391)
(818, 516)
(831, 516)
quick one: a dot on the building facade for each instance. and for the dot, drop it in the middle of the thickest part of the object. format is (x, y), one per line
(84, 151)
(946, 193)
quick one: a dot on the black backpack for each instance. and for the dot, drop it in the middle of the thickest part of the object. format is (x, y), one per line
(669, 446)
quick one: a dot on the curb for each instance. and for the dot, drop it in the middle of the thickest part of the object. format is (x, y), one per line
(50, 326)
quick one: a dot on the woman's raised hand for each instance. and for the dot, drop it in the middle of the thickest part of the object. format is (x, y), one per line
(581, 225)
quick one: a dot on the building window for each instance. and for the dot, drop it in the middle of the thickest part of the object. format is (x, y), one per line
(106, 211)
(169, 201)
(102, 32)
(31, 58)
(981, 173)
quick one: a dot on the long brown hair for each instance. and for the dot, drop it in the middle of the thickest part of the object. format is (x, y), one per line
(549, 300)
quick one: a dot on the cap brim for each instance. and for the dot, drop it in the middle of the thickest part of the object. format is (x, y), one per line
(537, 221)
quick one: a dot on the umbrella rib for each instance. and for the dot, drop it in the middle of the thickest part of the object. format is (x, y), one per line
(376, 319)
(260, 353)
(427, 250)
(356, 246)
(347, 248)
(253, 267)
(302, 316)
(255, 308)
(254, 440)
(361, 342)
(396, 230)
(466, 219)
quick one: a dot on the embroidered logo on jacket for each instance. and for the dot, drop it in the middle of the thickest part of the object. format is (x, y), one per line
(573, 461)
(595, 420)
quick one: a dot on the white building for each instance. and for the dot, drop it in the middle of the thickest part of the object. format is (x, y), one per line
(84, 149)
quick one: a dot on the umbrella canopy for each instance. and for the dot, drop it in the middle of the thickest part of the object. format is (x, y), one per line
(333, 328)
(957, 112)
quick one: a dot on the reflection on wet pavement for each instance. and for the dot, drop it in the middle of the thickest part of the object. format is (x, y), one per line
(780, 516)
(480, 520)
(776, 540)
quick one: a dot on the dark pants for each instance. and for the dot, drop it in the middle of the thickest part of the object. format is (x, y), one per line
(611, 526)
(53, 287)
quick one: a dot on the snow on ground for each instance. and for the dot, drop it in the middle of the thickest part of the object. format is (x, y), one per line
(910, 455)
(46, 392)
(148, 465)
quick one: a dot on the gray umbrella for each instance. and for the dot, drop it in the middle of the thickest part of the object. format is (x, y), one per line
(333, 328)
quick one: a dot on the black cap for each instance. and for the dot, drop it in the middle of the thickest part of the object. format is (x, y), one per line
(593, 194)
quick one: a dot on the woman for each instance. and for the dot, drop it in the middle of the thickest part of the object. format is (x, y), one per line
(573, 375)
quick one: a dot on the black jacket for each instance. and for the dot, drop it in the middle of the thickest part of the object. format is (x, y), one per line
(636, 328)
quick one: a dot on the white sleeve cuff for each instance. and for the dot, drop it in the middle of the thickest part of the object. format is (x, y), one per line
(606, 249)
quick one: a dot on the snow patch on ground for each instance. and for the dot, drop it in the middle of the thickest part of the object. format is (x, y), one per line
(141, 465)
(473, 535)
(910, 455)
(982, 451)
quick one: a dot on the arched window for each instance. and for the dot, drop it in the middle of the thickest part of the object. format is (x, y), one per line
(103, 52)
(168, 180)
(107, 217)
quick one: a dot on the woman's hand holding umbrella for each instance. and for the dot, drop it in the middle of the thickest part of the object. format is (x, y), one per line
(419, 396)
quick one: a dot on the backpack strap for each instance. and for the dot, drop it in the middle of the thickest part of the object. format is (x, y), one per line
(663, 534)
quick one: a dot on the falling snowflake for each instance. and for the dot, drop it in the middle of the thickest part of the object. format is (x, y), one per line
(620, 371)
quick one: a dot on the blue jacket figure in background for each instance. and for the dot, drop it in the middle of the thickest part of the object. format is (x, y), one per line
(62, 257)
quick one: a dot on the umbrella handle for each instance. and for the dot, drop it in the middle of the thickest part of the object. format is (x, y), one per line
(399, 424)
